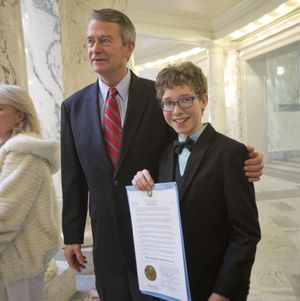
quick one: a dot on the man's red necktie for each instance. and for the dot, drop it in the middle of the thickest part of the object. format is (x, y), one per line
(112, 127)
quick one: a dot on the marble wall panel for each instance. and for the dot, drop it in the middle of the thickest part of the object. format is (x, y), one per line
(12, 55)
(282, 90)
(77, 72)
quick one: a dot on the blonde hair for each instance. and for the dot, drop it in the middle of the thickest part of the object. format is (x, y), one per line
(20, 100)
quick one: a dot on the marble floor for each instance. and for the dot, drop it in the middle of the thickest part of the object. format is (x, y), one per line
(276, 272)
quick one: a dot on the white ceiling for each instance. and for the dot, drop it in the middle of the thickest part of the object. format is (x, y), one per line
(166, 27)
(204, 9)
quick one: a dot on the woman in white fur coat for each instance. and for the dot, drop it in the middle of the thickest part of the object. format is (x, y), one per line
(29, 222)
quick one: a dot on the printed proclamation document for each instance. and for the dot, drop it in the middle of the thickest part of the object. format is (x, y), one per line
(158, 242)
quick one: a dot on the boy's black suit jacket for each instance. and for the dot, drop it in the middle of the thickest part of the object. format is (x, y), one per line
(218, 213)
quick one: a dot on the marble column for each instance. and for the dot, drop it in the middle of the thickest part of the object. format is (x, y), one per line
(216, 107)
(12, 55)
(43, 56)
(77, 72)
(233, 102)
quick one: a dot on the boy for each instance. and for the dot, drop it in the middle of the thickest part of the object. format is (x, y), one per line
(217, 203)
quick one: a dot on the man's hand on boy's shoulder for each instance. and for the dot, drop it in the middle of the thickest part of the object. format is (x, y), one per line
(254, 166)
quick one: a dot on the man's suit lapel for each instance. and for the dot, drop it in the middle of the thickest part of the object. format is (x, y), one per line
(92, 117)
(137, 103)
(196, 157)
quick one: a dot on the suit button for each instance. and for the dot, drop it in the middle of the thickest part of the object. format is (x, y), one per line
(116, 183)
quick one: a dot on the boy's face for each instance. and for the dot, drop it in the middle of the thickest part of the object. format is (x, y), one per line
(184, 121)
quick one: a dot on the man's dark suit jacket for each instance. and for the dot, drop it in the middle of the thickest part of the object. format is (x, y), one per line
(219, 215)
(87, 173)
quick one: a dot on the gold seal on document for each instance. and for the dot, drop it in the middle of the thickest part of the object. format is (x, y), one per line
(150, 272)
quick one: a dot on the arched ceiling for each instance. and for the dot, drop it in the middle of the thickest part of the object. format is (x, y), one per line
(171, 26)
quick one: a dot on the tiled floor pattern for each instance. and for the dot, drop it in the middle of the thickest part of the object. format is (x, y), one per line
(276, 272)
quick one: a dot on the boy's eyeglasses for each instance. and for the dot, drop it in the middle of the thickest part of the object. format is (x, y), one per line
(183, 103)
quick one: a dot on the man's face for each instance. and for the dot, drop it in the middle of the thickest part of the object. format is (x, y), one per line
(185, 121)
(107, 54)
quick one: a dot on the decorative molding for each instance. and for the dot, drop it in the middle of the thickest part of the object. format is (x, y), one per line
(168, 33)
(178, 21)
(271, 38)
(242, 14)
(196, 29)
(171, 27)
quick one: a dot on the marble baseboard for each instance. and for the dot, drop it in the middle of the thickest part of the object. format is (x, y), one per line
(283, 155)
(85, 289)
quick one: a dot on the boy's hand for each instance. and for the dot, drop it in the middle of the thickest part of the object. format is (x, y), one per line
(143, 180)
(217, 297)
